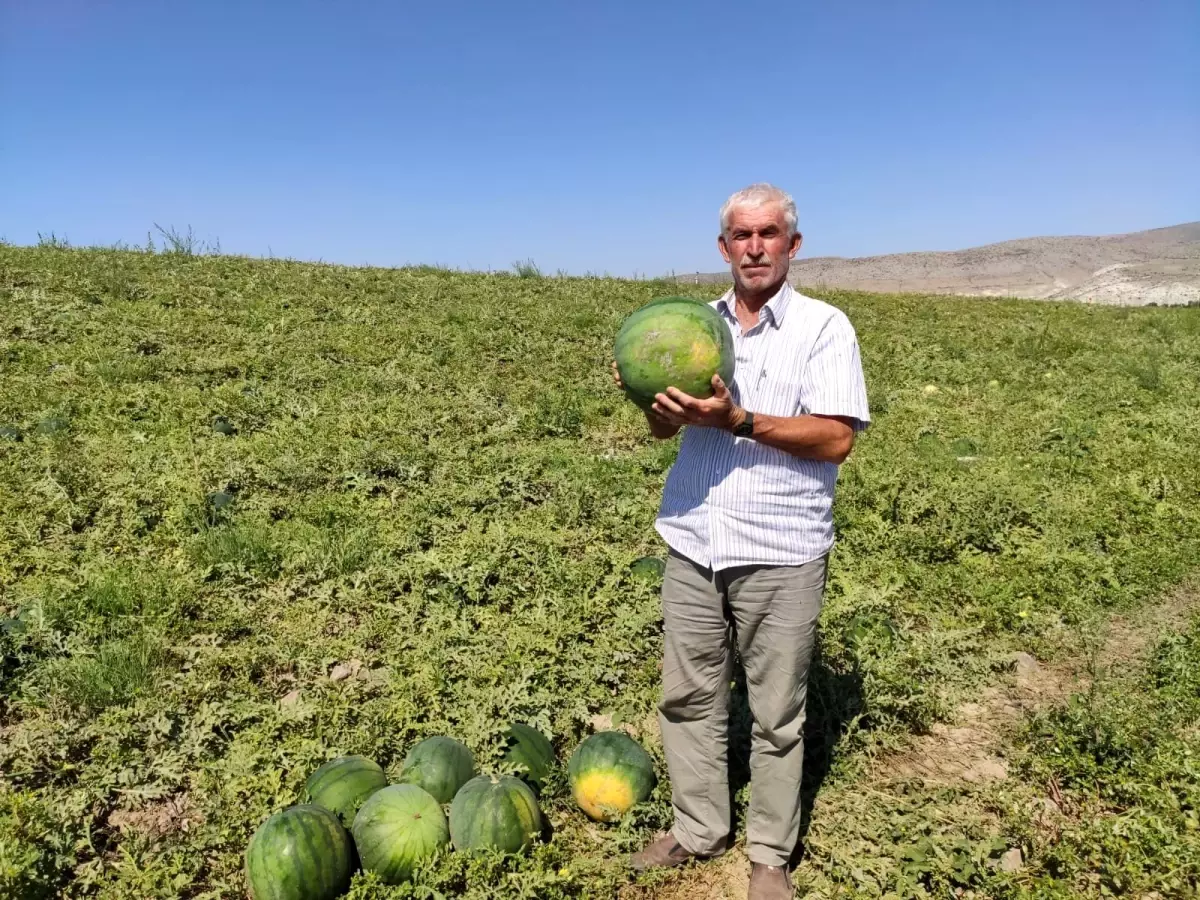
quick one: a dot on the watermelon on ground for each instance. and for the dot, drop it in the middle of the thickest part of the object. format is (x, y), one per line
(440, 765)
(342, 785)
(301, 853)
(648, 568)
(673, 341)
(531, 750)
(396, 829)
(494, 813)
(610, 773)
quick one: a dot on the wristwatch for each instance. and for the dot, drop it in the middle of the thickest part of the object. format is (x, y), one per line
(747, 427)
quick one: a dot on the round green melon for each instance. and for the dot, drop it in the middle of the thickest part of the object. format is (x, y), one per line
(673, 341)
(494, 813)
(610, 772)
(218, 500)
(532, 751)
(301, 853)
(441, 765)
(648, 568)
(342, 785)
(221, 425)
(396, 829)
(52, 425)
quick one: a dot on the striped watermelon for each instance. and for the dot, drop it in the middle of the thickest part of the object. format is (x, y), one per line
(342, 785)
(494, 812)
(396, 829)
(531, 750)
(301, 853)
(440, 765)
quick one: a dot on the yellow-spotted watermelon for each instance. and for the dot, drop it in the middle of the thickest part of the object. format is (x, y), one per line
(610, 772)
(673, 342)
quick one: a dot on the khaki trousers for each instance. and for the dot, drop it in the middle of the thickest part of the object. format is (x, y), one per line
(772, 613)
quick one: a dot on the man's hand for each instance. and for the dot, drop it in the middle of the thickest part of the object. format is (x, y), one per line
(717, 411)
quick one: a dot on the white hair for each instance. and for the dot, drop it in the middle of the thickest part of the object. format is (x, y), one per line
(758, 195)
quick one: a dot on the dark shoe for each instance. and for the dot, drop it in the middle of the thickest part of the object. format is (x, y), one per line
(769, 883)
(663, 853)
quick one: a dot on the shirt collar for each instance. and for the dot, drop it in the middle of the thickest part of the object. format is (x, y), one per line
(775, 308)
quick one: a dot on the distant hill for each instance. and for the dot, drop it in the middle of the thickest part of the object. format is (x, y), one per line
(1160, 266)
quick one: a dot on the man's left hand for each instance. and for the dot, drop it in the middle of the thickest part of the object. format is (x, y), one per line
(717, 411)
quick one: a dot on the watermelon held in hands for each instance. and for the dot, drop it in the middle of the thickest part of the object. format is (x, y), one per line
(610, 773)
(398, 828)
(342, 785)
(301, 853)
(494, 813)
(673, 341)
(532, 751)
(440, 765)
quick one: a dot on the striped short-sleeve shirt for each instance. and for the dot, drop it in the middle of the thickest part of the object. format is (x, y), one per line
(732, 501)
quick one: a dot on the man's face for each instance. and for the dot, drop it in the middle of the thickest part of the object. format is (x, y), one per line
(757, 247)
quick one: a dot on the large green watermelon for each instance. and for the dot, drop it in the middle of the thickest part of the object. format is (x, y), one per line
(302, 853)
(441, 765)
(342, 785)
(610, 772)
(398, 827)
(531, 750)
(494, 812)
(673, 341)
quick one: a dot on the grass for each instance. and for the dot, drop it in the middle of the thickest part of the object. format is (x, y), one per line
(430, 474)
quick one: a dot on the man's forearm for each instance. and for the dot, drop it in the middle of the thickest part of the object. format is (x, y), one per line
(811, 437)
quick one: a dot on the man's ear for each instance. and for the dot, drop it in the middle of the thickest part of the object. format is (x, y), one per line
(797, 240)
(723, 247)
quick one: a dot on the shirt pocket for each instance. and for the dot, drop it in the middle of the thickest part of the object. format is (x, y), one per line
(780, 395)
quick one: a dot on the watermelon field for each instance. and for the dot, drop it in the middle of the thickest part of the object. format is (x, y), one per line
(258, 514)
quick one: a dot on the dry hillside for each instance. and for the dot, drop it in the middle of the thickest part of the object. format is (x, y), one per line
(1161, 267)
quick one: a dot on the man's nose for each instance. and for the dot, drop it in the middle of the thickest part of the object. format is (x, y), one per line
(755, 246)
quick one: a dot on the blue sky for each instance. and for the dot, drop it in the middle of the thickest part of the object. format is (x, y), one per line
(593, 136)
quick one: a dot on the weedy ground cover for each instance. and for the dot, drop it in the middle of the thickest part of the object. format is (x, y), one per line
(259, 512)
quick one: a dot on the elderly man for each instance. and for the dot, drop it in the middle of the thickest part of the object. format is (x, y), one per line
(747, 515)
